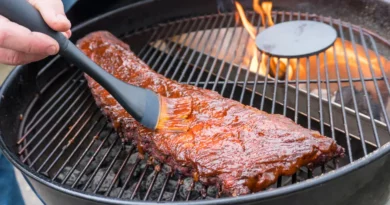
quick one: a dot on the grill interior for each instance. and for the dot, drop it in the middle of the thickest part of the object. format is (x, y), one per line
(65, 138)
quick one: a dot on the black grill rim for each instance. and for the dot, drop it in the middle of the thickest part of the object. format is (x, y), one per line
(348, 169)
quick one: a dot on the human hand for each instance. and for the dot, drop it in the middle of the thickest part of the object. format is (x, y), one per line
(19, 45)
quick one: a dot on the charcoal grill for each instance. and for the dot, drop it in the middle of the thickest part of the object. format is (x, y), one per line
(53, 132)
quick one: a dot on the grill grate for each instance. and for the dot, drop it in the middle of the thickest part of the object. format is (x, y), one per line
(65, 137)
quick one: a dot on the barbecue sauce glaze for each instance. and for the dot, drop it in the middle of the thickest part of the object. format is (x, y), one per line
(238, 147)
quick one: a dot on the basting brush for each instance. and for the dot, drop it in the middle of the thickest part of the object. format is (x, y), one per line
(150, 109)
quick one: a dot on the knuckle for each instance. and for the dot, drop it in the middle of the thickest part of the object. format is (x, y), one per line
(14, 58)
(30, 48)
(3, 36)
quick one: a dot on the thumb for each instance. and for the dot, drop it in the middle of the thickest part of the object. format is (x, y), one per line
(52, 12)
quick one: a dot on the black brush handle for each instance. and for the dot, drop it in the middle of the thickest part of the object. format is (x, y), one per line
(134, 99)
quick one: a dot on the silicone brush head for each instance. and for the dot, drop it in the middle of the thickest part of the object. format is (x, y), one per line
(174, 114)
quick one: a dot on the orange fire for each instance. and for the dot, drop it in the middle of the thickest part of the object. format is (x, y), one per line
(264, 10)
(290, 66)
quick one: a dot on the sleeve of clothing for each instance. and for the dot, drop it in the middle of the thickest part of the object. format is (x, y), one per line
(10, 193)
(68, 4)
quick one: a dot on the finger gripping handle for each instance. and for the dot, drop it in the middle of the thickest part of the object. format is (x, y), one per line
(23, 13)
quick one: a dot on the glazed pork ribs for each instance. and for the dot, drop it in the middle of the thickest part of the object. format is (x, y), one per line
(238, 147)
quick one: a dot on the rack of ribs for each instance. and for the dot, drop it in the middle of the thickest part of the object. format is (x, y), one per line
(240, 148)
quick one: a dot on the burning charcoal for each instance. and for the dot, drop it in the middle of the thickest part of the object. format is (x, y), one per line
(107, 181)
(127, 194)
(171, 185)
(167, 196)
(110, 156)
(158, 184)
(111, 139)
(117, 165)
(125, 152)
(126, 171)
(185, 187)
(105, 132)
(89, 190)
(166, 169)
(92, 166)
(72, 178)
(133, 158)
(94, 147)
(115, 192)
(207, 198)
(212, 191)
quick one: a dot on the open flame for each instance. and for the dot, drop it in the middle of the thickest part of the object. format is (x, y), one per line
(293, 67)
(264, 10)
(340, 58)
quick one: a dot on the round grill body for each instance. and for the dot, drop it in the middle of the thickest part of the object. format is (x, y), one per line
(53, 132)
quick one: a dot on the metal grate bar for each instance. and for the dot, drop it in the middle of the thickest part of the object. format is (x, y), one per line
(67, 84)
(287, 81)
(101, 162)
(163, 188)
(128, 177)
(240, 66)
(51, 108)
(189, 191)
(218, 52)
(364, 89)
(349, 149)
(272, 80)
(156, 172)
(265, 84)
(153, 37)
(375, 80)
(175, 44)
(193, 51)
(120, 170)
(91, 159)
(221, 68)
(180, 49)
(109, 167)
(77, 147)
(172, 32)
(231, 62)
(179, 182)
(247, 70)
(146, 56)
(51, 118)
(55, 150)
(58, 132)
(208, 55)
(353, 93)
(85, 152)
(200, 24)
(328, 96)
(140, 181)
(309, 171)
